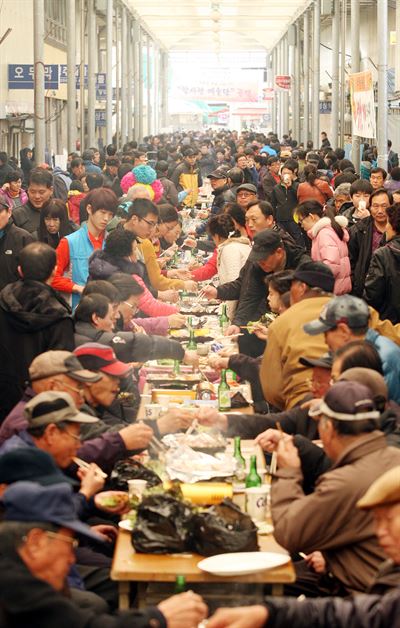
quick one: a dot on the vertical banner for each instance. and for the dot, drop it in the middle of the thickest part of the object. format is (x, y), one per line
(362, 104)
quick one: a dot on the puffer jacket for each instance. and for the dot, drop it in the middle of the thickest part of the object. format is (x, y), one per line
(328, 248)
(382, 284)
(231, 257)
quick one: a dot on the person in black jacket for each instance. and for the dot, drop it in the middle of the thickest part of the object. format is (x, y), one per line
(40, 190)
(382, 284)
(12, 241)
(95, 318)
(366, 237)
(33, 319)
(284, 201)
(272, 251)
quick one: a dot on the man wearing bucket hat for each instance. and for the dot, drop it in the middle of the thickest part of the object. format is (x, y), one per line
(327, 519)
(36, 553)
(383, 500)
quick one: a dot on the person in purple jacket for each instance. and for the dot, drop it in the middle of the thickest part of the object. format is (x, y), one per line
(62, 371)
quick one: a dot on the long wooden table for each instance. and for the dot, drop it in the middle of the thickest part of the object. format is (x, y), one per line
(129, 566)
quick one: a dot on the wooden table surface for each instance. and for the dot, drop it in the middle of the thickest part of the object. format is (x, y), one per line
(128, 565)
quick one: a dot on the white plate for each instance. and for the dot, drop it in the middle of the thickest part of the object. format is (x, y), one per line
(242, 563)
(126, 524)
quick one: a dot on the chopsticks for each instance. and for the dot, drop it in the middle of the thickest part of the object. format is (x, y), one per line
(85, 465)
(201, 293)
(224, 337)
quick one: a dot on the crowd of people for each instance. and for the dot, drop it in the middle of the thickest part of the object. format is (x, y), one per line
(305, 253)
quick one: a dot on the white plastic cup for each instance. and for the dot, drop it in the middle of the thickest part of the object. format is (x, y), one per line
(257, 498)
(153, 410)
(136, 488)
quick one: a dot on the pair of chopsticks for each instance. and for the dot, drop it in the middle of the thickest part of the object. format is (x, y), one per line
(224, 337)
(85, 465)
(201, 293)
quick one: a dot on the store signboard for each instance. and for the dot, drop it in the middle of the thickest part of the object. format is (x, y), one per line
(22, 76)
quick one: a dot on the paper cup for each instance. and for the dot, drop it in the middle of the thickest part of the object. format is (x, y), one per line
(257, 499)
(136, 488)
(153, 410)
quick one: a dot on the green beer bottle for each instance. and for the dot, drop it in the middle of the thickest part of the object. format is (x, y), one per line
(240, 461)
(224, 394)
(192, 341)
(253, 479)
(180, 584)
(189, 323)
(223, 319)
(177, 368)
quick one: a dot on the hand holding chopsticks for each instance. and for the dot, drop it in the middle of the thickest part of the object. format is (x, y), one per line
(82, 464)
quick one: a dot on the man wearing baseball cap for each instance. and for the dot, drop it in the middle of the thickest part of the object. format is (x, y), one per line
(37, 540)
(101, 397)
(283, 376)
(51, 370)
(382, 499)
(346, 318)
(327, 519)
(51, 374)
(272, 251)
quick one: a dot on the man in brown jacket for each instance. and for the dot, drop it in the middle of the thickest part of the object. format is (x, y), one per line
(328, 520)
(285, 381)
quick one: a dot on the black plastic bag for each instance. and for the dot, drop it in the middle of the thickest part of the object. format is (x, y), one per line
(163, 525)
(131, 470)
(223, 529)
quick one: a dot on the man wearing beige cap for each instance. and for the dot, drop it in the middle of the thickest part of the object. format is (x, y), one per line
(378, 611)
(62, 371)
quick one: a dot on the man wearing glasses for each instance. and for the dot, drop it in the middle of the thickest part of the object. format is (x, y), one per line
(143, 217)
(36, 553)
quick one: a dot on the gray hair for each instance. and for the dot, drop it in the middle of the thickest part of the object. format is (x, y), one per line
(342, 190)
(137, 191)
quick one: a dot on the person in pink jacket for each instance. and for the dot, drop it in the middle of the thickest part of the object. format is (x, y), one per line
(329, 241)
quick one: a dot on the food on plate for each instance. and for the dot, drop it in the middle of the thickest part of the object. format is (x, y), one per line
(112, 499)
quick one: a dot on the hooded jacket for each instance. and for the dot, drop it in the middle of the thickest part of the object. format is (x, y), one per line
(382, 284)
(33, 319)
(328, 248)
